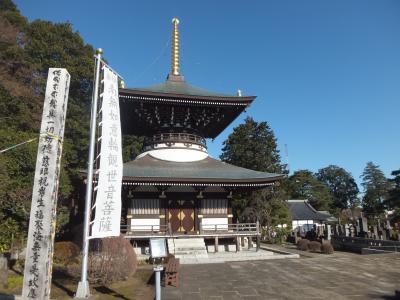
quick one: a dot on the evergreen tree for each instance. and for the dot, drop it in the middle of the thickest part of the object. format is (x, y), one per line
(376, 187)
(342, 186)
(304, 185)
(393, 199)
(252, 145)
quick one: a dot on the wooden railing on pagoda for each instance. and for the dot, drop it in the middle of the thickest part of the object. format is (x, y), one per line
(208, 230)
(170, 138)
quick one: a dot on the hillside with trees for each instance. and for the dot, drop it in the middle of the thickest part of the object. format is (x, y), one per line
(27, 51)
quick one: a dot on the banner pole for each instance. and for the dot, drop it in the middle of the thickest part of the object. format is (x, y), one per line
(83, 290)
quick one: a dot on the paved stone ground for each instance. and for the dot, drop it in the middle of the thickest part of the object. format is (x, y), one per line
(338, 276)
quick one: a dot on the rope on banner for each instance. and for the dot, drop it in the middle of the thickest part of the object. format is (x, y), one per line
(17, 145)
(52, 135)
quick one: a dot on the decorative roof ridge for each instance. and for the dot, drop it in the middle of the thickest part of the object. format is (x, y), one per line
(311, 207)
(147, 94)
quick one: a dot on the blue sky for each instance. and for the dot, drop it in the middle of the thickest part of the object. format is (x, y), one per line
(326, 73)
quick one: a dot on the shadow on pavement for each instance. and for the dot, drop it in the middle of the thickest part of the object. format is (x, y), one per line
(107, 291)
(396, 296)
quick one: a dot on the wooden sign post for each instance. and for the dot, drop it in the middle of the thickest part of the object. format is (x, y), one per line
(42, 222)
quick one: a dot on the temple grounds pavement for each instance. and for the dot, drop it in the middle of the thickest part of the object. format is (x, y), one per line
(316, 276)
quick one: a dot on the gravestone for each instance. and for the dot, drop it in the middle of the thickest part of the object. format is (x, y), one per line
(375, 230)
(358, 228)
(383, 235)
(335, 230)
(347, 230)
(364, 226)
(3, 272)
(328, 232)
(353, 230)
(320, 230)
(389, 234)
(339, 229)
(388, 224)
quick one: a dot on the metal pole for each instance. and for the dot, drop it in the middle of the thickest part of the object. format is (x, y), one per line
(83, 290)
(158, 270)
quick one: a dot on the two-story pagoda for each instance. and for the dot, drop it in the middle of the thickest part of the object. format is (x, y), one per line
(174, 187)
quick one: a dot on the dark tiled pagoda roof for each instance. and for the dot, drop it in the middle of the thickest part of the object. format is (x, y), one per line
(175, 89)
(208, 171)
(302, 210)
(180, 88)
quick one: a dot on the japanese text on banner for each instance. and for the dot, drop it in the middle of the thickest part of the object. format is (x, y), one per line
(108, 198)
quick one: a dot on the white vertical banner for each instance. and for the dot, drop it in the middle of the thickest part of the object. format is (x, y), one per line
(42, 221)
(108, 196)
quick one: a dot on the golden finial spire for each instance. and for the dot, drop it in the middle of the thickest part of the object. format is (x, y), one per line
(175, 48)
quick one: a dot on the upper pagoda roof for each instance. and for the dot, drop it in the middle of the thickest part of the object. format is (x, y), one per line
(178, 106)
(175, 89)
(207, 172)
(180, 87)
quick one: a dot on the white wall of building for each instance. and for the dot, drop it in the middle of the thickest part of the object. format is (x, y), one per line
(145, 224)
(209, 223)
(177, 155)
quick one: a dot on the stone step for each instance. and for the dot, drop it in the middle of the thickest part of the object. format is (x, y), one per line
(188, 248)
(187, 241)
(191, 253)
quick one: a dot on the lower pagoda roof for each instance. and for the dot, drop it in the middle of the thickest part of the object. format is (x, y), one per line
(148, 170)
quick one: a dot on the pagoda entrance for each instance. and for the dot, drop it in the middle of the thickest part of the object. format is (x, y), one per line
(181, 215)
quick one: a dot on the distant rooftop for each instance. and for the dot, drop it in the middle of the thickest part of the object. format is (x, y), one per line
(300, 209)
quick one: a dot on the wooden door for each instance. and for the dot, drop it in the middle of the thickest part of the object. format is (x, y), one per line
(174, 215)
(187, 216)
(181, 215)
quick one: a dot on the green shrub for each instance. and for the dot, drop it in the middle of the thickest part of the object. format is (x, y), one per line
(9, 230)
(281, 234)
(65, 252)
(314, 246)
(327, 248)
(15, 281)
(303, 244)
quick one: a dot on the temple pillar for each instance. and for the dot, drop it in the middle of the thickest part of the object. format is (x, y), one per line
(229, 208)
(129, 211)
(163, 208)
